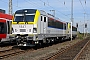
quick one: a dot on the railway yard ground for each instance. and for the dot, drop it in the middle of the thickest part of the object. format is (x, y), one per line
(47, 52)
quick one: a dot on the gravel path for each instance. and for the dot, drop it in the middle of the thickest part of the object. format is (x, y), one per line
(39, 53)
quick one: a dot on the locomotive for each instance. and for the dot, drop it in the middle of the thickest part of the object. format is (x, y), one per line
(32, 27)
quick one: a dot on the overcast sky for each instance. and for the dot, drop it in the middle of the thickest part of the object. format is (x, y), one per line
(62, 9)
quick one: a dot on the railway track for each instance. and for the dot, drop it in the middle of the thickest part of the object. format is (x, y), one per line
(13, 52)
(5, 48)
(81, 55)
(70, 52)
(10, 52)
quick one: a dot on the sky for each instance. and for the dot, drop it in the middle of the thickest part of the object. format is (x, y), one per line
(81, 9)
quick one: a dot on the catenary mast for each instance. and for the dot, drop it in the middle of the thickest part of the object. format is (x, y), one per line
(10, 7)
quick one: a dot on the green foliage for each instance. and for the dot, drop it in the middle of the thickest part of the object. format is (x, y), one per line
(80, 36)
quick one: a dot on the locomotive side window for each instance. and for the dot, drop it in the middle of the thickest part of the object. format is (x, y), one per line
(50, 22)
(56, 24)
(3, 28)
(64, 26)
(44, 19)
(41, 18)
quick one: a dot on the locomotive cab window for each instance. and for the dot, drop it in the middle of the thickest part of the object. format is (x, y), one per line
(24, 17)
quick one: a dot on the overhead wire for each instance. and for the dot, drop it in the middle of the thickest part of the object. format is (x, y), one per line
(54, 8)
(7, 3)
(82, 6)
(57, 10)
(13, 5)
(30, 2)
(47, 2)
(34, 4)
(44, 5)
(64, 3)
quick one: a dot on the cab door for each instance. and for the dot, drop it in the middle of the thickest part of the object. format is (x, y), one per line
(43, 24)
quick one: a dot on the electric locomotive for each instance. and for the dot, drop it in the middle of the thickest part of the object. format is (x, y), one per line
(32, 27)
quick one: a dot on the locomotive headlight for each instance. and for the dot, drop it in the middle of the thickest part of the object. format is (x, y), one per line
(34, 30)
(36, 42)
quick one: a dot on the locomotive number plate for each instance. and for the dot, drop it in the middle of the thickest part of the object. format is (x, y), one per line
(22, 26)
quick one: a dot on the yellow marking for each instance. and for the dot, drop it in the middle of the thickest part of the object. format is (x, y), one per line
(26, 23)
(14, 22)
(69, 26)
(30, 22)
(68, 29)
(36, 17)
(21, 22)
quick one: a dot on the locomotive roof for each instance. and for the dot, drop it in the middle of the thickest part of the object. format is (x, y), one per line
(42, 12)
(28, 11)
(6, 16)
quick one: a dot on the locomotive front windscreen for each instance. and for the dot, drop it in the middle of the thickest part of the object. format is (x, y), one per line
(24, 17)
(3, 29)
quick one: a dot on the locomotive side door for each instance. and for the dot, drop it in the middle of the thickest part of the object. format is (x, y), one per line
(43, 24)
